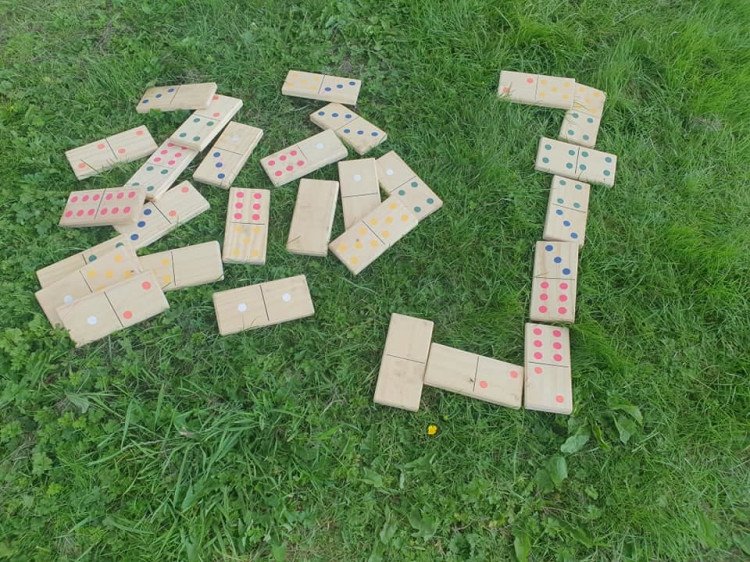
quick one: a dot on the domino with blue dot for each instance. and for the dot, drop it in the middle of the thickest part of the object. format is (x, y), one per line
(567, 211)
(228, 155)
(353, 130)
(553, 288)
(321, 87)
(172, 98)
(576, 162)
(204, 125)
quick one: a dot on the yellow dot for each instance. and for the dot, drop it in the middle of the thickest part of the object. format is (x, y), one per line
(358, 245)
(385, 233)
(109, 273)
(91, 273)
(343, 248)
(565, 96)
(254, 254)
(393, 205)
(165, 261)
(354, 260)
(432, 430)
(257, 230)
(119, 258)
(541, 94)
(362, 231)
(566, 85)
(246, 240)
(373, 222)
(238, 228)
(166, 279)
(554, 88)
(388, 220)
(235, 252)
(128, 274)
(374, 243)
(543, 81)
(404, 218)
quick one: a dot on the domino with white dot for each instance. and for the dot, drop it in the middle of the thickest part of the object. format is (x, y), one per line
(263, 304)
(321, 87)
(228, 155)
(303, 158)
(354, 130)
(358, 182)
(188, 266)
(173, 98)
(96, 157)
(399, 180)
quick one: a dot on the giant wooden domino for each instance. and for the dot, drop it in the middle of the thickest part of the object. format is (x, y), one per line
(581, 123)
(228, 155)
(177, 206)
(118, 265)
(204, 125)
(246, 229)
(547, 384)
(303, 158)
(98, 156)
(355, 131)
(102, 207)
(358, 180)
(399, 180)
(263, 304)
(576, 162)
(162, 169)
(312, 221)
(172, 98)
(553, 287)
(186, 267)
(60, 269)
(367, 239)
(567, 210)
(321, 87)
(474, 376)
(537, 89)
(402, 368)
(100, 314)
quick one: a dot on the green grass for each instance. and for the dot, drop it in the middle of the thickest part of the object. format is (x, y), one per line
(168, 442)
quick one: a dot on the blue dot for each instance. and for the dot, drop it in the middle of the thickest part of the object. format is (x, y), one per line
(327, 88)
(339, 86)
(560, 200)
(360, 132)
(582, 167)
(321, 113)
(417, 209)
(547, 147)
(375, 133)
(170, 90)
(352, 82)
(430, 200)
(574, 235)
(347, 131)
(559, 212)
(157, 96)
(608, 159)
(607, 172)
(401, 192)
(221, 176)
(566, 223)
(545, 160)
(348, 116)
(147, 212)
(134, 237)
(590, 119)
(92, 258)
(141, 224)
(217, 154)
(334, 114)
(549, 247)
(557, 259)
(566, 271)
(586, 137)
(144, 101)
(219, 165)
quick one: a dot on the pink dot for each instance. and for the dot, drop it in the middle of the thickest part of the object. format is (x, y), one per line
(126, 210)
(68, 213)
(115, 210)
(238, 205)
(559, 399)
(563, 286)
(80, 212)
(537, 355)
(256, 206)
(483, 384)
(537, 331)
(100, 146)
(146, 285)
(127, 315)
(104, 211)
(185, 189)
(256, 217)
(543, 309)
(530, 80)
(216, 114)
(96, 197)
(282, 157)
(121, 151)
(537, 343)
(177, 155)
(74, 199)
(172, 213)
(293, 153)
(91, 212)
(120, 195)
(139, 133)
(238, 216)
(271, 162)
(300, 162)
(543, 296)
(216, 97)
(108, 196)
(556, 333)
(81, 166)
(171, 162)
(557, 345)
(289, 168)
(514, 374)
(166, 151)
(563, 298)
(557, 357)
(85, 198)
(562, 310)
(544, 285)
(157, 159)
(538, 370)
(506, 89)
(257, 195)
(240, 194)
(131, 194)
(277, 174)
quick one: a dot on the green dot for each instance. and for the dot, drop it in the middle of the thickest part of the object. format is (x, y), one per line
(430, 200)
(607, 173)
(590, 119)
(149, 168)
(545, 160)
(401, 192)
(576, 205)
(569, 165)
(183, 135)
(414, 184)
(417, 209)
(572, 152)
(150, 188)
(547, 147)
(197, 120)
(164, 172)
(582, 167)
(586, 137)
(118, 245)
(560, 200)
(575, 115)
(608, 160)
(579, 186)
(571, 132)
(210, 123)
(196, 138)
(563, 182)
(584, 154)
(93, 258)
(135, 184)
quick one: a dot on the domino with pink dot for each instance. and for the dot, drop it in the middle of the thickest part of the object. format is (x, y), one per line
(162, 169)
(102, 207)
(96, 157)
(246, 229)
(120, 306)
(474, 376)
(547, 385)
(321, 87)
(303, 158)
(228, 155)
(553, 287)
(537, 89)
(204, 125)
(354, 130)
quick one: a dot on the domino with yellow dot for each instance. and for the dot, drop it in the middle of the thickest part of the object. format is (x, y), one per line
(188, 266)
(204, 125)
(96, 157)
(537, 89)
(56, 271)
(246, 229)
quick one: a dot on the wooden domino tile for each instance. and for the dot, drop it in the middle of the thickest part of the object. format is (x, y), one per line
(101, 207)
(56, 271)
(246, 229)
(124, 304)
(188, 266)
(537, 89)
(402, 368)
(172, 98)
(579, 128)
(358, 180)
(398, 179)
(367, 239)
(228, 155)
(576, 162)
(158, 218)
(474, 376)
(204, 125)
(321, 87)
(553, 289)
(567, 211)
(162, 169)
(98, 156)
(547, 382)
(263, 304)
(354, 130)
(312, 221)
(589, 100)
(303, 158)
(112, 267)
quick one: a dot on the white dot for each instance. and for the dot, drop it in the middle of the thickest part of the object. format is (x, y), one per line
(357, 177)
(242, 307)
(286, 297)
(389, 172)
(234, 138)
(67, 299)
(320, 146)
(91, 320)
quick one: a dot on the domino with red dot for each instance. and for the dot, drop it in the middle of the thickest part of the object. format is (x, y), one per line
(547, 384)
(96, 157)
(246, 229)
(204, 125)
(553, 288)
(101, 207)
(303, 158)
(537, 89)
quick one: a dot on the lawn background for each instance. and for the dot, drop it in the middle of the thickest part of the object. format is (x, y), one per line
(168, 442)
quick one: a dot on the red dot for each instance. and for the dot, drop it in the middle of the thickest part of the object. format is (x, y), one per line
(537, 331)
(81, 166)
(216, 114)
(277, 174)
(256, 217)
(559, 399)
(172, 213)
(185, 189)
(238, 205)
(538, 370)
(543, 309)
(544, 285)
(80, 212)
(537, 355)
(216, 97)
(293, 153)
(85, 198)
(171, 162)
(108, 196)
(514, 374)
(557, 357)
(126, 210)
(91, 212)
(282, 157)
(556, 333)
(115, 210)
(121, 151)
(165, 151)
(177, 155)
(543, 296)
(100, 146)
(238, 216)
(146, 285)
(289, 168)
(120, 195)
(563, 298)
(257, 195)
(537, 343)
(563, 286)
(127, 315)
(68, 213)
(530, 80)
(271, 162)
(104, 211)
(483, 384)
(240, 194)
(139, 132)
(131, 194)
(157, 160)
(74, 199)
(96, 197)
(562, 310)
(557, 345)
(506, 89)
(300, 162)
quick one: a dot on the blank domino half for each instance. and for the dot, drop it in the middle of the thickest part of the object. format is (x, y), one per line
(355, 131)
(537, 89)
(321, 87)
(172, 98)
(162, 169)
(177, 206)
(122, 305)
(360, 194)
(402, 368)
(228, 155)
(96, 157)
(474, 376)
(60, 269)
(102, 207)
(547, 384)
(188, 266)
(303, 158)
(264, 304)
(398, 179)
(204, 125)
(553, 287)
(246, 227)
(312, 221)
